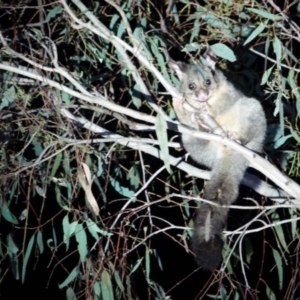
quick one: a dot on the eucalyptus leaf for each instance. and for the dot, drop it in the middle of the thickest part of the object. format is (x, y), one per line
(223, 51)
(279, 266)
(81, 239)
(256, 32)
(73, 274)
(265, 14)
(26, 256)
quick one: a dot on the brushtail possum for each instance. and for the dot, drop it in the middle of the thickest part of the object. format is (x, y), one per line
(206, 90)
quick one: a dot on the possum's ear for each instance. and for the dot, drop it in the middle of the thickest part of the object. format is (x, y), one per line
(179, 67)
(210, 58)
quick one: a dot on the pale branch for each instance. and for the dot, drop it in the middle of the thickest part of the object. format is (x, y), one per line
(132, 125)
(273, 60)
(231, 206)
(273, 224)
(38, 66)
(281, 180)
(99, 29)
(285, 183)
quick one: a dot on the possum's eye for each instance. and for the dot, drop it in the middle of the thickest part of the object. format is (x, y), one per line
(207, 82)
(191, 86)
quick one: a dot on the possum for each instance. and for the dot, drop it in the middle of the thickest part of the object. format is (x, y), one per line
(206, 90)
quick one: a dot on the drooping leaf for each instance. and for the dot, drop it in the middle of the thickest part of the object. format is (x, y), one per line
(94, 229)
(39, 241)
(6, 213)
(116, 277)
(266, 75)
(124, 191)
(256, 32)
(27, 255)
(13, 257)
(279, 231)
(137, 264)
(73, 274)
(81, 239)
(70, 294)
(279, 267)
(106, 286)
(278, 51)
(270, 293)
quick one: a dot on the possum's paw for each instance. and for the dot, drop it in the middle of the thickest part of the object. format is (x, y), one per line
(233, 136)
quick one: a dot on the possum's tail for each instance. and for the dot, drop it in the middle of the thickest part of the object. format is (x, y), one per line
(223, 188)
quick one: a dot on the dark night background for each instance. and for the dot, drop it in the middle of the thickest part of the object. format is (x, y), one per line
(33, 121)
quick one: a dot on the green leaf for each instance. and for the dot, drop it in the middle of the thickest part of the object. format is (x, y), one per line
(278, 261)
(223, 292)
(266, 75)
(191, 47)
(162, 137)
(294, 133)
(70, 278)
(6, 213)
(81, 239)
(26, 257)
(256, 32)
(210, 18)
(298, 8)
(40, 191)
(13, 257)
(66, 98)
(124, 191)
(113, 21)
(265, 14)
(279, 231)
(97, 289)
(136, 266)
(293, 212)
(8, 97)
(175, 14)
(57, 10)
(128, 287)
(38, 148)
(39, 240)
(249, 250)
(270, 293)
(121, 29)
(147, 263)
(281, 141)
(134, 177)
(196, 30)
(136, 96)
(66, 230)
(158, 260)
(106, 286)
(278, 51)
(94, 229)
(116, 277)
(223, 51)
(70, 294)
(57, 163)
(54, 237)
(295, 89)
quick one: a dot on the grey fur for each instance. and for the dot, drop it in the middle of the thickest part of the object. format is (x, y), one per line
(243, 119)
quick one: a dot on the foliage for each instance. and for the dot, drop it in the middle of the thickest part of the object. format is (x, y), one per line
(93, 196)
